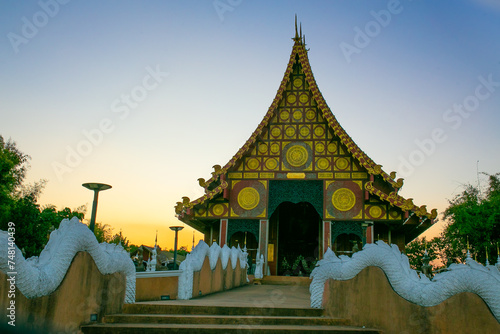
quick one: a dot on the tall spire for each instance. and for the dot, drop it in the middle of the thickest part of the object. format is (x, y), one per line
(296, 32)
(297, 38)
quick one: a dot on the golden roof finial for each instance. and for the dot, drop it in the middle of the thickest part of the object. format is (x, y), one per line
(296, 32)
(297, 38)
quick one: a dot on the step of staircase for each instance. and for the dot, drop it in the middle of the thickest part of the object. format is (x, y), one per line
(146, 308)
(286, 280)
(161, 318)
(222, 319)
(217, 329)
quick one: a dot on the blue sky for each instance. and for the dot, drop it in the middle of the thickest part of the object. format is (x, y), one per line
(152, 94)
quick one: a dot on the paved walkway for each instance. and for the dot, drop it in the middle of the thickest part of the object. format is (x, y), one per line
(278, 296)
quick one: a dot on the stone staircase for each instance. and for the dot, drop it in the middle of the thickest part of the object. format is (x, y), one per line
(278, 304)
(162, 318)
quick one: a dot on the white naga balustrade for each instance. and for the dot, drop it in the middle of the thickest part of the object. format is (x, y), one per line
(40, 276)
(194, 262)
(470, 277)
(259, 266)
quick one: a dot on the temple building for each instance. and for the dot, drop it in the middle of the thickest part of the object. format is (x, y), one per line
(300, 184)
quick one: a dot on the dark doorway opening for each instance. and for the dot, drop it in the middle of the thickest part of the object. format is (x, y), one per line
(347, 244)
(298, 234)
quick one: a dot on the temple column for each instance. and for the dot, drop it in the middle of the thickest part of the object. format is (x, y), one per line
(327, 235)
(263, 240)
(223, 232)
(211, 235)
(367, 232)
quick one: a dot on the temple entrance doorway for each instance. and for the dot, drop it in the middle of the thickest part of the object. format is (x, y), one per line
(347, 244)
(294, 239)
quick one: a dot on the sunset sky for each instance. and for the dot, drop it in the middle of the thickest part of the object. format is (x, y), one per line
(148, 95)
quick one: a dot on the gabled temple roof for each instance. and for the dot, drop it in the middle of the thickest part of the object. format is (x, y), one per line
(217, 183)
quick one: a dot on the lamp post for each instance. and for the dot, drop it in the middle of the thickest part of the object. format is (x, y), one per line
(176, 229)
(96, 187)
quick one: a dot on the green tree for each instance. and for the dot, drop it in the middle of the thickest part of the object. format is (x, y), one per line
(415, 252)
(51, 214)
(183, 250)
(473, 215)
(31, 233)
(33, 226)
(18, 202)
(119, 238)
(13, 167)
(132, 248)
(103, 232)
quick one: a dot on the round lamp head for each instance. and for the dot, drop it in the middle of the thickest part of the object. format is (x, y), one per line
(96, 186)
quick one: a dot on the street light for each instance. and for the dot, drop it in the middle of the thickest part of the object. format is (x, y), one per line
(96, 187)
(176, 229)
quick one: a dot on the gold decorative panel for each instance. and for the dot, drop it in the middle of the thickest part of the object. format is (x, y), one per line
(310, 114)
(323, 163)
(304, 132)
(284, 115)
(332, 148)
(297, 156)
(248, 198)
(343, 199)
(297, 83)
(276, 131)
(341, 163)
(359, 175)
(297, 115)
(263, 148)
(271, 163)
(253, 163)
(275, 148)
